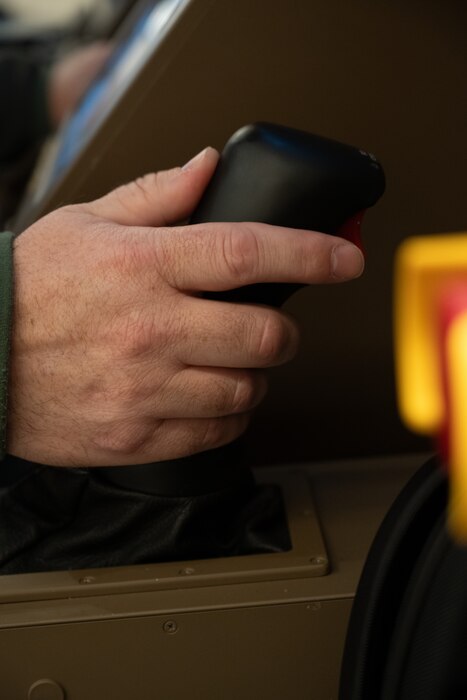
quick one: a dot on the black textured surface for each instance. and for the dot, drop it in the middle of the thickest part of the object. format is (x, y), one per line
(55, 519)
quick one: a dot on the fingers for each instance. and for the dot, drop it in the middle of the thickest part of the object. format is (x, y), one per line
(202, 392)
(217, 257)
(205, 333)
(158, 199)
(221, 334)
(71, 76)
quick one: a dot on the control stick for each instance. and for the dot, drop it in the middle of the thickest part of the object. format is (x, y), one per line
(281, 176)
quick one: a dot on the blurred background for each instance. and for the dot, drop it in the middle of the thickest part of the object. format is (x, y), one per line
(62, 15)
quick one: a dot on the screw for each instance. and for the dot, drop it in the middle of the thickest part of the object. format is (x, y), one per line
(188, 571)
(170, 626)
(318, 561)
(87, 579)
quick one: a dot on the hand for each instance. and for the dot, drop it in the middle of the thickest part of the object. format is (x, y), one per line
(116, 358)
(71, 76)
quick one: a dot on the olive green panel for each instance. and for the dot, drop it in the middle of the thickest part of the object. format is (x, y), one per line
(258, 653)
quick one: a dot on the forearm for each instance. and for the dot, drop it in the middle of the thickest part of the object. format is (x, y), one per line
(6, 299)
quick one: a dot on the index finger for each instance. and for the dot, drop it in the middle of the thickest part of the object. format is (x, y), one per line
(221, 256)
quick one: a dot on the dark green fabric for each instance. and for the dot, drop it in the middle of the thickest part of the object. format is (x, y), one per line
(6, 299)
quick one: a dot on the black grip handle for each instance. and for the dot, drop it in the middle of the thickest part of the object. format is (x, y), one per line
(281, 176)
(291, 178)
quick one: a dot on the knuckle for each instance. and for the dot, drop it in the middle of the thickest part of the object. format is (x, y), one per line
(130, 255)
(240, 252)
(136, 333)
(125, 437)
(211, 434)
(277, 340)
(147, 183)
(320, 263)
(149, 189)
(173, 254)
(111, 402)
(247, 391)
(220, 431)
(135, 337)
(143, 188)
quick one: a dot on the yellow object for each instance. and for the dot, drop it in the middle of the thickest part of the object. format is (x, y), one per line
(456, 356)
(424, 267)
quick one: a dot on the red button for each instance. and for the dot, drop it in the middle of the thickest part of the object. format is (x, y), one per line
(351, 230)
(452, 302)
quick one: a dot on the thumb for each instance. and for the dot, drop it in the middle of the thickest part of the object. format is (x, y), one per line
(158, 199)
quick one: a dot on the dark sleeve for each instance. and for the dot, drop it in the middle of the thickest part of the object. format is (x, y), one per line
(24, 116)
(6, 301)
